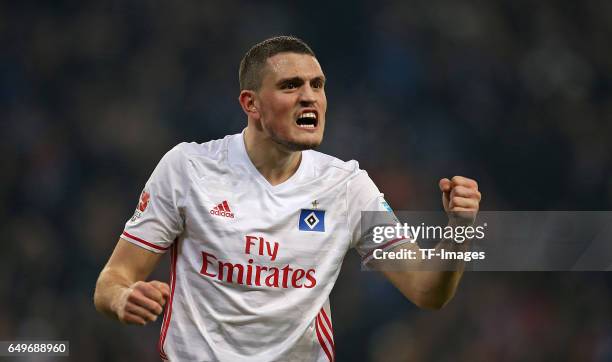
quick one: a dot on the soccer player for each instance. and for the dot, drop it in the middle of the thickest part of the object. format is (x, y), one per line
(257, 224)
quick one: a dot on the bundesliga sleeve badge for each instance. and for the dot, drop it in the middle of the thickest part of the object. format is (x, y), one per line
(312, 220)
(143, 202)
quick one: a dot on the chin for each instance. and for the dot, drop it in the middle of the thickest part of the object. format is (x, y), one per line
(299, 145)
(305, 146)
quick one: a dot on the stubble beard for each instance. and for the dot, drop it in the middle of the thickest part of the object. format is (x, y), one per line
(294, 146)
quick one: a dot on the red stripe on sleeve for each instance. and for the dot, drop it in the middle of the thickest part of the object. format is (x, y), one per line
(125, 233)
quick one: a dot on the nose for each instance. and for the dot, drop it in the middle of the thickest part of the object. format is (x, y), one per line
(307, 95)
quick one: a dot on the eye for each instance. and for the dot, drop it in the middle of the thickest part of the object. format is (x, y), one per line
(289, 85)
(318, 84)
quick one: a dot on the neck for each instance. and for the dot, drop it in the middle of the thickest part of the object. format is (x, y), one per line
(275, 163)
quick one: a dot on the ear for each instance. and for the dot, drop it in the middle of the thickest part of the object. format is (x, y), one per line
(247, 99)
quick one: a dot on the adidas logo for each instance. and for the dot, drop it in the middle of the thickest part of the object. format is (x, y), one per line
(222, 209)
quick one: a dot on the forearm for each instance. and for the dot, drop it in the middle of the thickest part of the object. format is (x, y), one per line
(439, 283)
(429, 283)
(111, 284)
(433, 290)
(121, 292)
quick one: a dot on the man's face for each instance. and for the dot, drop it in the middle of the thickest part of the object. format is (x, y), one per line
(291, 101)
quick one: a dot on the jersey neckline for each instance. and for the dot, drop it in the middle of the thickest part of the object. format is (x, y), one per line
(238, 149)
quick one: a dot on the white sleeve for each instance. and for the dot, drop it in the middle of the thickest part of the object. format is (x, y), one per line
(363, 195)
(158, 219)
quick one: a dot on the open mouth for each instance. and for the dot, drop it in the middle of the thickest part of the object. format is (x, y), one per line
(308, 120)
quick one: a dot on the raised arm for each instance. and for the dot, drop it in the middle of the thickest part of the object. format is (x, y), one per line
(121, 291)
(434, 289)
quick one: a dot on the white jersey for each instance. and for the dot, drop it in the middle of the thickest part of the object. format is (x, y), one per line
(252, 265)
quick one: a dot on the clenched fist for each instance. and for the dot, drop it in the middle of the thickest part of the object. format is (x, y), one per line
(461, 199)
(142, 302)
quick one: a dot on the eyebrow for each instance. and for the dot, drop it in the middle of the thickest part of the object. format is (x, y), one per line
(299, 80)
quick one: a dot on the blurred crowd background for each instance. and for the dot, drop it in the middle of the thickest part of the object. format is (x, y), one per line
(516, 94)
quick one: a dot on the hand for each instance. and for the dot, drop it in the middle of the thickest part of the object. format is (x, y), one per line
(461, 199)
(142, 302)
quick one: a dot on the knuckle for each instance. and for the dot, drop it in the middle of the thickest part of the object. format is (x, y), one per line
(132, 297)
(135, 295)
(456, 180)
(145, 286)
(158, 295)
(148, 289)
(139, 292)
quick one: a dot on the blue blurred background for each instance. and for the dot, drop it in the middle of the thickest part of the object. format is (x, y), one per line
(516, 94)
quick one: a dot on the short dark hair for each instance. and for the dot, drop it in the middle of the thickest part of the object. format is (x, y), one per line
(254, 61)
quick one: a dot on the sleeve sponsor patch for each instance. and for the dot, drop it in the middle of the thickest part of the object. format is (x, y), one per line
(143, 202)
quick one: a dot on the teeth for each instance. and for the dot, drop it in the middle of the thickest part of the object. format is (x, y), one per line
(309, 115)
(306, 126)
